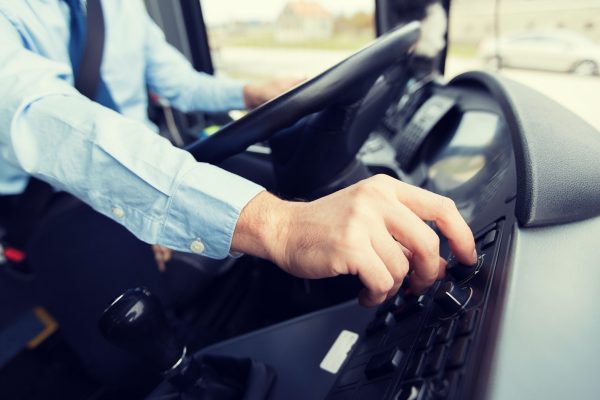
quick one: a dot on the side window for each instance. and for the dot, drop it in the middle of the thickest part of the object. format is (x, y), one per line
(550, 45)
(263, 39)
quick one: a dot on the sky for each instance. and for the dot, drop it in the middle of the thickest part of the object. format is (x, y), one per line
(218, 11)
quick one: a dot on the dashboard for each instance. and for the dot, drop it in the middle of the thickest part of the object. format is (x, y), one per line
(501, 329)
(429, 346)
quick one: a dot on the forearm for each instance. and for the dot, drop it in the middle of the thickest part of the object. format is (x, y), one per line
(196, 91)
(130, 174)
(170, 75)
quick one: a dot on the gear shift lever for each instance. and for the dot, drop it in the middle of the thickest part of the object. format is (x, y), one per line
(136, 322)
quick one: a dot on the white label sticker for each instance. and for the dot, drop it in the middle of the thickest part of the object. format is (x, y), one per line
(337, 354)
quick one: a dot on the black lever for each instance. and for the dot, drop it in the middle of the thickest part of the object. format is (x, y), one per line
(135, 321)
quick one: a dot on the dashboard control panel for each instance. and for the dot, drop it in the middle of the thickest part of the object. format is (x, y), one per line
(418, 347)
(432, 346)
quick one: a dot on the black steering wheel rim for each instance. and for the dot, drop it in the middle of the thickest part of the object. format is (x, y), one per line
(341, 84)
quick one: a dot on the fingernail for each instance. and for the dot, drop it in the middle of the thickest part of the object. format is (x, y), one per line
(474, 258)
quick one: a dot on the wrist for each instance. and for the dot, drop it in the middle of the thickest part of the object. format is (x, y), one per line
(263, 227)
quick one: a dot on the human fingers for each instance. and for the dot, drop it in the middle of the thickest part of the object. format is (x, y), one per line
(159, 257)
(283, 84)
(441, 210)
(442, 272)
(167, 254)
(373, 273)
(443, 262)
(392, 255)
(407, 252)
(420, 240)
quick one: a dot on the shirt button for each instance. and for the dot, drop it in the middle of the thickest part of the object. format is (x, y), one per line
(197, 247)
(118, 212)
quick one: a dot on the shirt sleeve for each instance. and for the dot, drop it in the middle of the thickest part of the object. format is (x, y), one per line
(170, 75)
(116, 165)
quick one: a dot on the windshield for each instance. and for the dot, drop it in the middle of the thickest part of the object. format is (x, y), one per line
(550, 45)
(263, 39)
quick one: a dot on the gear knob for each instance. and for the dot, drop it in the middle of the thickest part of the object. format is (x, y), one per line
(135, 322)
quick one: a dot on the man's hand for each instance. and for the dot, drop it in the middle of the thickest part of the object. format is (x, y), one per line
(255, 95)
(373, 229)
(162, 255)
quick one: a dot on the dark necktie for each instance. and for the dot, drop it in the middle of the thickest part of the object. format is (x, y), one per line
(78, 28)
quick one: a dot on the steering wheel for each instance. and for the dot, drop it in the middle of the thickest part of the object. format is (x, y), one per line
(341, 85)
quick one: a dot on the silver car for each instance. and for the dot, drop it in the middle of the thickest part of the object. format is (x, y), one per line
(552, 50)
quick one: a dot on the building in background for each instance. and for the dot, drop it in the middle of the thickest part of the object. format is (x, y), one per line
(302, 21)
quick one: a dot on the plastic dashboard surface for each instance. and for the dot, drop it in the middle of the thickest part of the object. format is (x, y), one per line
(296, 348)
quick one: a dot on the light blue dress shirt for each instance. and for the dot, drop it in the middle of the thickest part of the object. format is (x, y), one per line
(115, 163)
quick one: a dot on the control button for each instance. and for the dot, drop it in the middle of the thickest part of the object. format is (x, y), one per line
(458, 353)
(118, 212)
(391, 304)
(466, 323)
(452, 299)
(411, 391)
(415, 367)
(383, 363)
(435, 361)
(463, 273)
(444, 332)
(426, 338)
(197, 247)
(379, 323)
(489, 239)
(374, 144)
(412, 304)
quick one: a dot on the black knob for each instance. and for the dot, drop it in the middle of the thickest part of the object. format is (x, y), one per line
(452, 299)
(463, 273)
(136, 322)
